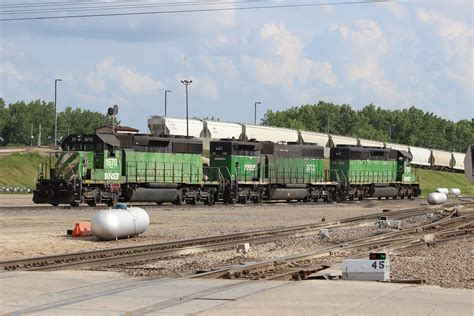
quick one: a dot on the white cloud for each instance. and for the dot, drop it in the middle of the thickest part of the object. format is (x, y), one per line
(457, 40)
(130, 80)
(207, 86)
(222, 39)
(286, 63)
(457, 35)
(368, 46)
(8, 70)
(397, 9)
(220, 66)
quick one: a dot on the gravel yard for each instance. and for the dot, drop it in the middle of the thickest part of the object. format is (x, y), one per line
(27, 232)
(34, 232)
(447, 265)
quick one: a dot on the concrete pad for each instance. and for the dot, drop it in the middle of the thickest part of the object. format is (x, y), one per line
(98, 293)
(352, 298)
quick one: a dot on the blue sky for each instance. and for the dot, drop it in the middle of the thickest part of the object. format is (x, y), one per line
(394, 55)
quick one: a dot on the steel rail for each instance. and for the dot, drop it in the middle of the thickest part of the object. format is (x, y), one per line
(176, 248)
(381, 242)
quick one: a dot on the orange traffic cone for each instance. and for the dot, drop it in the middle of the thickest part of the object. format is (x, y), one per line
(82, 229)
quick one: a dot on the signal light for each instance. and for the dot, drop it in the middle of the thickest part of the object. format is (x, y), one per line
(378, 256)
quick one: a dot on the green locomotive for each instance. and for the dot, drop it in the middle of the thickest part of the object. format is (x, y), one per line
(107, 168)
(265, 170)
(374, 172)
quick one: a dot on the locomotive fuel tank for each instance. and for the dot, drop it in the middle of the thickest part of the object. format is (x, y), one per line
(120, 222)
(287, 193)
(384, 191)
(151, 194)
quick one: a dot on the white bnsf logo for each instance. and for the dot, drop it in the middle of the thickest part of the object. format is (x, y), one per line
(111, 162)
(310, 168)
(249, 167)
(407, 178)
(111, 175)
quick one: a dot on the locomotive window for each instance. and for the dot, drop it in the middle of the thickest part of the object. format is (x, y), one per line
(220, 148)
(378, 155)
(360, 155)
(191, 148)
(158, 143)
(244, 147)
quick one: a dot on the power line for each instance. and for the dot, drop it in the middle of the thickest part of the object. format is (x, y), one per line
(125, 6)
(194, 10)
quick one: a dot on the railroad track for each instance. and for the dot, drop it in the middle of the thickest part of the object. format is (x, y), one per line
(142, 253)
(300, 266)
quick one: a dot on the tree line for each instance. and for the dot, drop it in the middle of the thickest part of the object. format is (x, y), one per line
(32, 123)
(410, 126)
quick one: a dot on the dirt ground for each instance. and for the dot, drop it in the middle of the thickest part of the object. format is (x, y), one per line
(26, 232)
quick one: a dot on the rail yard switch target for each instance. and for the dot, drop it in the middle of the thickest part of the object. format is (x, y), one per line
(377, 268)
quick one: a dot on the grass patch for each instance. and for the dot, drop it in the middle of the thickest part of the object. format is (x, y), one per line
(430, 180)
(20, 170)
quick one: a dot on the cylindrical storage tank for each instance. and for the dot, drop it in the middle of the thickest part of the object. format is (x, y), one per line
(437, 198)
(455, 191)
(119, 223)
(442, 190)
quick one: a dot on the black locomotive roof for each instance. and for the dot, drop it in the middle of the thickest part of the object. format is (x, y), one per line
(361, 153)
(293, 150)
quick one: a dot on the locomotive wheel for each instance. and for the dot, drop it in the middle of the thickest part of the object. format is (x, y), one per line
(210, 199)
(191, 201)
(74, 204)
(159, 203)
(181, 198)
(257, 199)
(113, 200)
(54, 203)
(91, 203)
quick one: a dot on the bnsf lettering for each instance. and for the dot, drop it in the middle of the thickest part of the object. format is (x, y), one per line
(310, 168)
(111, 176)
(249, 167)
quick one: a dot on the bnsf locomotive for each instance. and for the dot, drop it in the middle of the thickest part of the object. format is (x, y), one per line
(109, 167)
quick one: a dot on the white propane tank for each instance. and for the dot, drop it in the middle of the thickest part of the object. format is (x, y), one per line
(437, 198)
(455, 191)
(442, 190)
(120, 222)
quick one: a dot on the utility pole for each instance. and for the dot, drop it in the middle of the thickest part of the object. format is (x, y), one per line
(390, 133)
(31, 136)
(255, 113)
(39, 135)
(328, 125)
(166, 92)
(186, 84)
(56, 111)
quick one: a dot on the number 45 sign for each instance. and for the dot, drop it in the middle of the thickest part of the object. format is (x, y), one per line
(377, 268)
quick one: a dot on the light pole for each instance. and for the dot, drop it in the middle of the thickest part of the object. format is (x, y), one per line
(166, 92)
(55, 111)
(255, 113)
(186, 84)
(390, 133)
